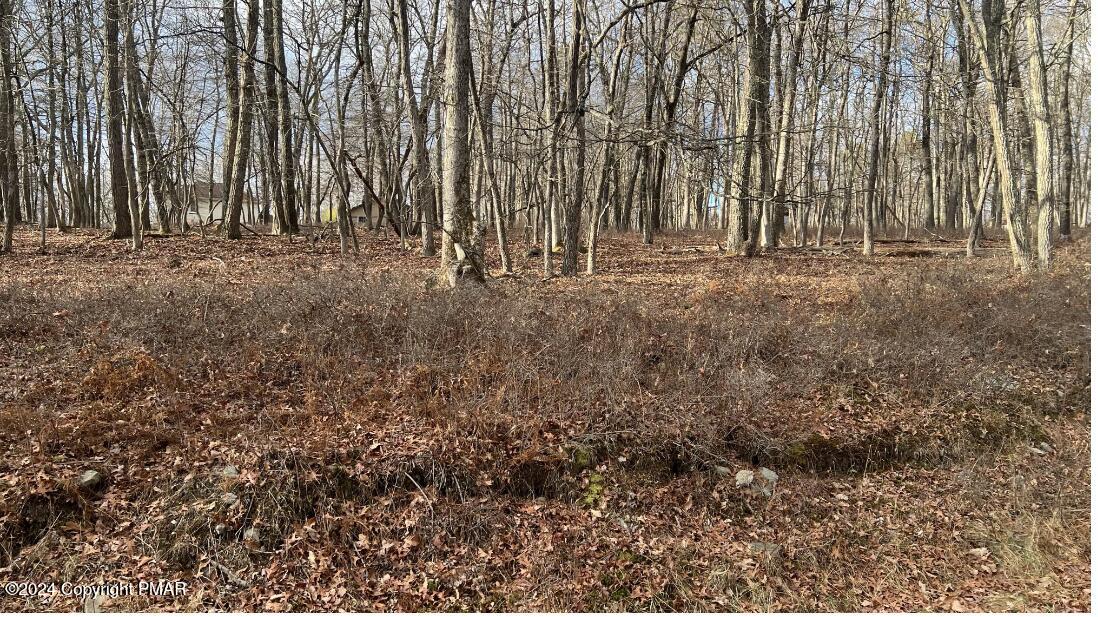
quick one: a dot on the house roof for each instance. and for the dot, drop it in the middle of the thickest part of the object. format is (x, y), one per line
(205, 190)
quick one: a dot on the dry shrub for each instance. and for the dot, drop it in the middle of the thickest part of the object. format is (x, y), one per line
(29, 519)
(615, 376)
(123, 378)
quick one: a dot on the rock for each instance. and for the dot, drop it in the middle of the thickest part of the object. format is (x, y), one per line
(744, 477)
(229, 499)
(92, 603)
(1045, 446)
(90, 480)
(723, 472)
(769, 475)
(230, 472)
(1001, 382)
(979, 553)
(218, 570)
(766, 548)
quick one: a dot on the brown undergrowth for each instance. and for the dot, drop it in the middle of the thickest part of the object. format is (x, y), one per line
(557, 444)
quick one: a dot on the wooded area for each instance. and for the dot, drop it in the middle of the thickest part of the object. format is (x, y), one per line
(553, 305)
(778, 122)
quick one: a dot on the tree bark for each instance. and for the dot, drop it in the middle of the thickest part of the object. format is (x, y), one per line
(461, 257)
(9, 158)
(120, 193)
(1066, 130)
(987, 49)
(875, 132)
(739, 240)
(779, 207)
(232, 108)
(569, 265)
(1042, 133)
(236, 187)
(422, 188)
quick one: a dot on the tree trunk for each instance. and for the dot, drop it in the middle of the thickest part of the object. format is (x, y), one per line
(780, 205)
(9, 160)
(271, 119)
(285, 127)
(875, 132)
(236, 188)
(987, 49)
(924, 135)
(422, 188)
(232, 108)
(1042, 133)
(740, 219)
(120, 193)
(461, 257)
(569, 265)
(1066, 130)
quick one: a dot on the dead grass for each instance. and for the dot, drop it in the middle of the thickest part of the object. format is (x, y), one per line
(382, 427)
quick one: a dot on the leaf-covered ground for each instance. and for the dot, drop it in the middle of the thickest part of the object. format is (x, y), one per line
(285, 429)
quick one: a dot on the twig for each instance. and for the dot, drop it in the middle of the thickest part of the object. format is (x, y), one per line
(430, 504)
(940, 239)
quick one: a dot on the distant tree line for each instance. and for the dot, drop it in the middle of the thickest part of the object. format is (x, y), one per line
(777, 121)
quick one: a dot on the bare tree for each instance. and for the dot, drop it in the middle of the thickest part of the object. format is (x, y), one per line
(462, 256)
(1067, 132)
(875, 129)
(987, 36)
(647, 117)
(120, 193)
(1042, 133)
(242, 152)
(9, 161)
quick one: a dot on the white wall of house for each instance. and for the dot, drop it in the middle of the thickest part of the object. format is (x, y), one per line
(204, 207)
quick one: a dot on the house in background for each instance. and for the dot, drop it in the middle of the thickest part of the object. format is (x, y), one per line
(206, 197)
(359, 215)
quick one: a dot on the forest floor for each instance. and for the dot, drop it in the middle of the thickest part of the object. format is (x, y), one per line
(285, 429)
